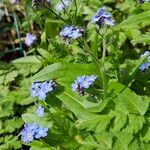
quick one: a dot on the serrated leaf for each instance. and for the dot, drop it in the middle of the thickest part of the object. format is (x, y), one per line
(144, 38)
(10, 76)
(28, 59)
(97, 124)
(119, 122)
(146, 138)
(123, 141)
(135, 20)
(134, 103)
(13, 124)
(134, 145)
(105, 140)
(135, 124)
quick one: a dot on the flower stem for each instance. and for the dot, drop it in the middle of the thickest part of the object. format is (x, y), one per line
(104, 69)
(75, 2)
(68, 14)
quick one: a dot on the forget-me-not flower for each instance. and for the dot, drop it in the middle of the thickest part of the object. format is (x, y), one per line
(32, 131)
(30, 38)
(39, 111)
(83, 82)
(41, 132)
(146, 64)
(40, 89)
(101, 17)
(70, 32)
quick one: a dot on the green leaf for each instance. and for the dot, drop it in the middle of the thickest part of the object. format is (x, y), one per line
(105, 140)
(144, 38)
(11, 76)
(44, 53)
(119, 122)
(135, 124)
(146, 138)
(51, 28)
(131, 68)
(123, 141)
(39, 145)
(98, 123)
(28, 59)
(32, 118)
(134, 20)
(28, 64)
(134, 103)
(64, 70)
(73, 103)
(13, 124)
(43, 40)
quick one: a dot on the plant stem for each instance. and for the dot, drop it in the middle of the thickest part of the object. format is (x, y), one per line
(104, 69)
(76, 10)
(18, 34)
(53, 118)
(54, 13)
(69, 16)
(86, 48)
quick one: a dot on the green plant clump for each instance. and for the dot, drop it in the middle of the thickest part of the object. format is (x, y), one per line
(75, 75)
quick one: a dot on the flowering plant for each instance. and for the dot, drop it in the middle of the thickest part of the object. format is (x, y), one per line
(91, 88)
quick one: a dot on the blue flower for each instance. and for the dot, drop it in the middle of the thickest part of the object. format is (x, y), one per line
(47, 86)
(39, 111)
(42, 95)
(74, 86)
(146, 64)
(32, 131)
(82, 82)
(35, 87)
(30, 126)
(146, 53)
(28, 132)
(41, 132)
(27, 136)
(40, 89)
(60, 6)
(75, 34)
(66, 31)
(30, 38)
(101, 18)
(70, 32)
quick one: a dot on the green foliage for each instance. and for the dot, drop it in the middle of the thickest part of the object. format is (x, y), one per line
(113, 112)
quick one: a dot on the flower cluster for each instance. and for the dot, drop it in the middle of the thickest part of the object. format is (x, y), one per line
(146, 64)
(39, 111)
(83, 82)
(70, 32)
(40, 89)
(101, 18)
(30, 38)
(60, 6)
(32, 131)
